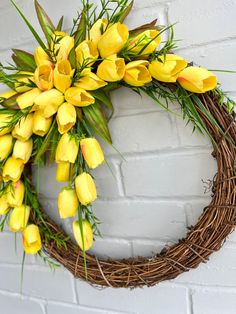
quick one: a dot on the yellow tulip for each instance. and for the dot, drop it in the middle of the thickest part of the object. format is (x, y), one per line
(24, 128)
(12, 169)
(197, 80)
(97, 30)
(48, 102)
(89, 81)
(5, 145)
(66, 117)
(78, 97)
(63, 171)
(23, 150)
(67, 203)
(41, 125)
(86, 53)
(111, 69)
(19, 218)
(7, 94)
(92, 152)
(15, 193)
(5, 119)
(137, 74)
(44, 77)
(4, 206)
(63, 74)
(24, 78)
(67, 149)
(64, 46)
(83, 235)
(27, 99)
(168, 69)
(41, 57)
(85, 188)
(145, 43)
(113, 40)
(31, 239)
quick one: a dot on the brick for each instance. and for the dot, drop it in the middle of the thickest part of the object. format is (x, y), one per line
(194, 209)
(12, 304)
(68, 309)
(147, 247)
(161, 175)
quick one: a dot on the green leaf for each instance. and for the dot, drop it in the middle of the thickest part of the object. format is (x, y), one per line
(72, 58)
(80, 33)
(45, 22)
(24, 60)
(126, 11)
(142, 28)
(60, 24)
(10, 103)
(95, 117)
(103, 97)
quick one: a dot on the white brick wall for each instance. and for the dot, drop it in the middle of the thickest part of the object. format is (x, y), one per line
(152, 196)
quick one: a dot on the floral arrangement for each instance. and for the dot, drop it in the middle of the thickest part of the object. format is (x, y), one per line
(58, 99)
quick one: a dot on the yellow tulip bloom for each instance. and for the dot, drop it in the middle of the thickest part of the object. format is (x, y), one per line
(197, 80)
(89, 81)
(4, 206)
(113, 40)
(66, 117)
(79, 97)
(67, 149)
(27, 99)
(24, 78)
(63, 171)
(5, 145)
(137, 74)
(97, 30)
(92, 152)
(145, 43)
(24, 128)
(41, 125)
(111, 69)
(83, 235)
(5, 119)
(48, 102)
(44, 77)
(168, 69)
(23, 150)
(86, 53)
(85, 188)
(64, 46)
(63, 74)
(67, 203)
(41, 57)
(15, 193)
(12, 169)
(19, 218)
(31, 239)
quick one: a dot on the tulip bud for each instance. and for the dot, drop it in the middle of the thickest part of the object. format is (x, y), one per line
(7, 94)
(197, 80)
(41, 57)
(66, 117)
(137, 74)
(83, 234)
(27, 99)
(15, 194)
(113, 40)
(41, 125)
(168, 69)
(63, 171)
(97, 30)
(23, 150)
(67, 203)
(24, 78)
(12, 169)
(31, 239)
(44, 77)
(111, 69)
(19, 218)
(92, 152)
(145, 43)
(48, 102)
(67, 149)
(85, 188)
(5, 146)
(4, 206)
(5, 119)
(86, 53)
(24, 128)
(89, 81)
(63, 74)
(79, 97)
(64, 46)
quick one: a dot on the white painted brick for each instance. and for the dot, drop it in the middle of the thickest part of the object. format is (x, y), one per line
(14, 304)
(194, 209)
(161, 175)
(142, 301)
(68, 309)
(147, 247)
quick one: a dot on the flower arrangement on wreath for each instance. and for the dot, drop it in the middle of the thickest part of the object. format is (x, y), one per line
(58, 99)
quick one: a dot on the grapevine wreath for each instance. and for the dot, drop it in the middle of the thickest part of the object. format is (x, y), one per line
(57, 100)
